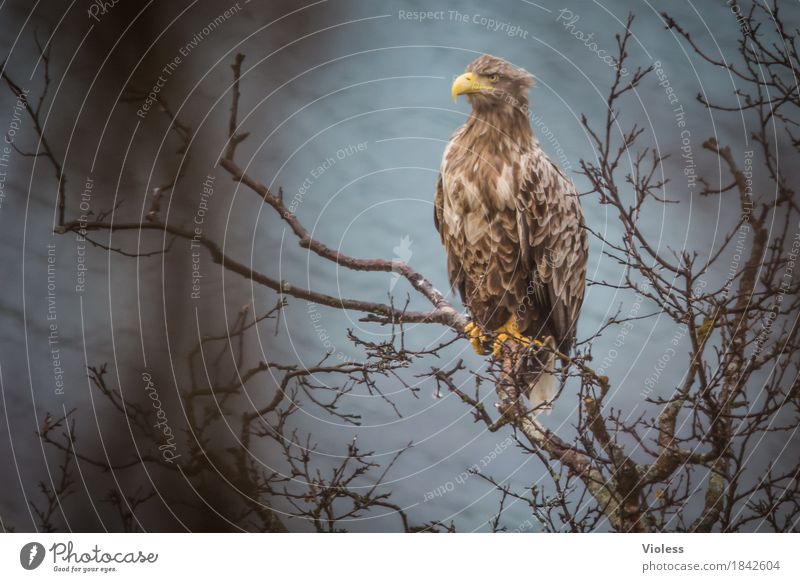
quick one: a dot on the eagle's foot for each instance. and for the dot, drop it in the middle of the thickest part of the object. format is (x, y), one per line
(510, 331)
(476, 338)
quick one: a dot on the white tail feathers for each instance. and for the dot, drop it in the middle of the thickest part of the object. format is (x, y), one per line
(543, 389)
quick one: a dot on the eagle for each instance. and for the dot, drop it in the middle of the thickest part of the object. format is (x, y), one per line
(513, 231)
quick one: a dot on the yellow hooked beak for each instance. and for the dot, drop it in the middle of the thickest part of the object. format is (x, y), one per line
(469, 83)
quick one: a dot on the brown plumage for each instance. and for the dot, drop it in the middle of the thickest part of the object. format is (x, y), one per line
(510, 221)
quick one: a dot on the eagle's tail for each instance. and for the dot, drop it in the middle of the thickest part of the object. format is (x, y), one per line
(541, 378)
(530, 369)
(539, 375)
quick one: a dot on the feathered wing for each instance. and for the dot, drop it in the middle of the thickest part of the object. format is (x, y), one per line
(455, 273)
(454, 247)
(555, 252)
(550, 223)
(438, 207)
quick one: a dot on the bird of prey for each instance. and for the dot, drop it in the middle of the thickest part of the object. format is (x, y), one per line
(512, 228)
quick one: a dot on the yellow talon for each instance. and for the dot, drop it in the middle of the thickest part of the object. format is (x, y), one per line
(476, 338)
(509, 331)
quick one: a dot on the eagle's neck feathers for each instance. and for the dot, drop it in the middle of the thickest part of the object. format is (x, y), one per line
(484, 162)
(501, 124)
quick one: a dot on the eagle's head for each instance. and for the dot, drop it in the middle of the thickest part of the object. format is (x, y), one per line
(490, 81)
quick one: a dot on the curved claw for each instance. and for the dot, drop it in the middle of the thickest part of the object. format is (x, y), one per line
(476, 338)
(497, 346)
(510, 331)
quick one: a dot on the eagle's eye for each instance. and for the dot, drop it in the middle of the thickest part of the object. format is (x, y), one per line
(494, 78)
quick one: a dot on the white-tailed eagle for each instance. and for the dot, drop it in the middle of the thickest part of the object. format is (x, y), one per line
(512, 227)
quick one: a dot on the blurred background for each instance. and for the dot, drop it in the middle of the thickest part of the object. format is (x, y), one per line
(348, 107)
